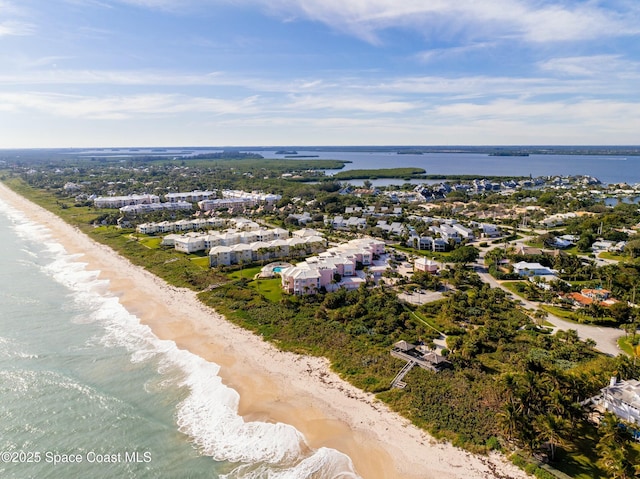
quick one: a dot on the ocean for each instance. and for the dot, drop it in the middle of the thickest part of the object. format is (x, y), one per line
(87, 391)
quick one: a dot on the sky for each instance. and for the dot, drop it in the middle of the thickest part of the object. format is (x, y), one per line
(106, 73)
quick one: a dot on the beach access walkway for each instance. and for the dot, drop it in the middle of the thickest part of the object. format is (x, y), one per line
(415, 355)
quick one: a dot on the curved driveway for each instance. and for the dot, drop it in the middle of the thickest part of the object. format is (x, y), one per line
(606, 338)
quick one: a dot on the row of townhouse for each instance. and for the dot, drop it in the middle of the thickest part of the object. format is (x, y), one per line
(264, 250)
(241, 224)
(427, 243)
(340, 222)
(181, 225)
(394, 228)
(153, 207)
(455, 232)
(356, 222)
(191, 196)
(120, 201)
(371, 210)
(238, 199)
(334, 268)
(258, 197)
(226, 203)
(193, 242)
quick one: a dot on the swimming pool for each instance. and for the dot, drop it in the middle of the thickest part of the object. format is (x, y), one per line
(277, 269)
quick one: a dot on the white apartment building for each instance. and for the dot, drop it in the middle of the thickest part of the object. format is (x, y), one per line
(190, 197)
(149, 208)
(120, 201)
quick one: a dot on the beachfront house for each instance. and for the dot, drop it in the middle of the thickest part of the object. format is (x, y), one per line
(622, 398)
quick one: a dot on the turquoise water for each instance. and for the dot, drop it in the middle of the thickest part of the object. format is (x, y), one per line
(277, 269)
(86, 391)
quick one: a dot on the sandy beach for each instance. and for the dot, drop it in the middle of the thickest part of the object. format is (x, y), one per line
(275, 386)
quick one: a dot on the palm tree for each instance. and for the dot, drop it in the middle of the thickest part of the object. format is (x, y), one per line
(613, 448)
(540, 315)
(510, 418)
(551, 429)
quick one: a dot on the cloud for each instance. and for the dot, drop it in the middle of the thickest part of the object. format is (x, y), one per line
(122, 107)
(532, 21)
(11, 20)
(591, 114)
(372, 104)
(452, 52)
(604, 76)
(592, 66)
(16, 28)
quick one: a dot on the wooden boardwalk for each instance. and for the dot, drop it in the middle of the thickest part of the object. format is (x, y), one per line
(398, 380)
(426, 360)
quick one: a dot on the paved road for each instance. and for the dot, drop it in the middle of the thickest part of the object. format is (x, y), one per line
(606, 338)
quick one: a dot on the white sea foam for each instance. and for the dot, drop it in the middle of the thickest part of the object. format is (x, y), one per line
(209, 413)
(324, 463)
(9, 348)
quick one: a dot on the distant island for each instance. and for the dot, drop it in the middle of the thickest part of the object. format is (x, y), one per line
(286, 152)
(379, 173)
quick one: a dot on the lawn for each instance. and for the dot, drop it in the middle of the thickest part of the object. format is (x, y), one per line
(579, 463)
(203, 262)
(270, 289)
(151, 242)
(612, 256)
(625, 345)
(512, 286)
(565, 314)
(426, 321)
(247, 273)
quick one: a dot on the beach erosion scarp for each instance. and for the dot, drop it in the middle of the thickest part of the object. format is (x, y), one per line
(274, 386)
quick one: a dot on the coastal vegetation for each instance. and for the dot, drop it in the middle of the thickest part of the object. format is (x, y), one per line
(378, 173)
(512, 384)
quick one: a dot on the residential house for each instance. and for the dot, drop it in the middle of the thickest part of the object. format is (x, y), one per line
(602, 245)
(588, 296)
(525, 269)
(489, 231)
(528, 251)
(425, 265)
(622, 398)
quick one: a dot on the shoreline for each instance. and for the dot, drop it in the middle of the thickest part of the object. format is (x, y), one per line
(274, 386)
